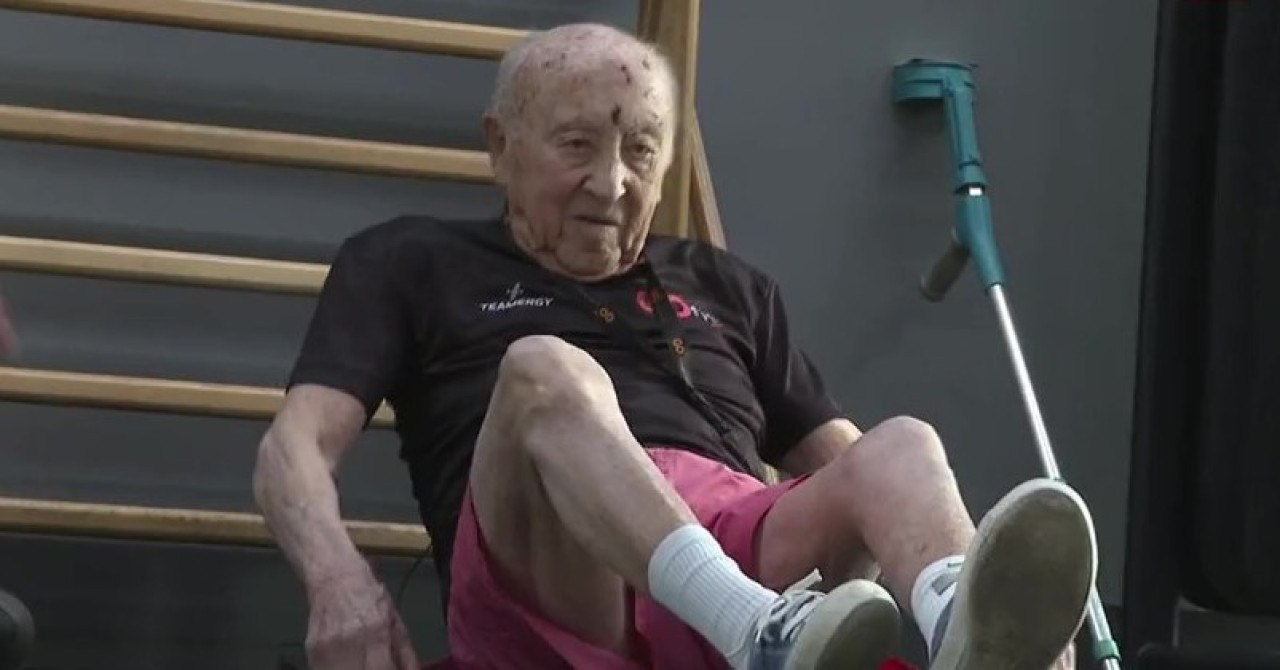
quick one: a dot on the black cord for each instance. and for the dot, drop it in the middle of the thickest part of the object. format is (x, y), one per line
(404, 583)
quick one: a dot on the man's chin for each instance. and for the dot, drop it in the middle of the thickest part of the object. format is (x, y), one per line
(591, 266)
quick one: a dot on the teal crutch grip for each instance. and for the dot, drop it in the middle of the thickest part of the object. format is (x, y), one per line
(921, 80)
(973, 232)
(945, 271)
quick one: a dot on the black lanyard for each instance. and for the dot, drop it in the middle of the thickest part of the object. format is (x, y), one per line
(675, 362)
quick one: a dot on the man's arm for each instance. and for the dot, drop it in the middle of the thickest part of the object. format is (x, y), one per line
(805, 428)
(820, 447)
(355, 345)
(293, 480)
(355, 348)
(353, 620)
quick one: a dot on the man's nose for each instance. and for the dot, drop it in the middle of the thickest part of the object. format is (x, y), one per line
(607, 179)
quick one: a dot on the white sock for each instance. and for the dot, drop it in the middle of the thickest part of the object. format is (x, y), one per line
(691, 576)
(933, 591)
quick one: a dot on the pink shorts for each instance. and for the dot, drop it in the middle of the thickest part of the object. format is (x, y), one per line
(492, 629)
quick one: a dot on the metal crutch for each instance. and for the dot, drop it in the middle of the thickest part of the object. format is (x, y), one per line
(921, 80)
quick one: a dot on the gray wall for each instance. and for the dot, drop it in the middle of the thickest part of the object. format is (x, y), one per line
(821, 182)
(845, 200)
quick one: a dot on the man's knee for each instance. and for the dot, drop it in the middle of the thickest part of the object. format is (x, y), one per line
(543, 372)
(544, 384)
(541, 381)
(901, 443)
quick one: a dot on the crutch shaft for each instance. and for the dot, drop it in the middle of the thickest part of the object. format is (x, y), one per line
(1105, 649)
(1029, 401)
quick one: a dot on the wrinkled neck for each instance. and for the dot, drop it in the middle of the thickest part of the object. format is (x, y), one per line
(546, 257)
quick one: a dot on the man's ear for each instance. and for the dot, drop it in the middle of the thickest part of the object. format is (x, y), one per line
(496, 141)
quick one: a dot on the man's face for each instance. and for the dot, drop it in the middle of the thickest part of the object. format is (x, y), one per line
(583, 158)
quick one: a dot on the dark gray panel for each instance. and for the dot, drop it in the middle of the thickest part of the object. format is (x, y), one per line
(844, 199)
(105, 605)
(116, 195)
(189, 333)
(97, 455)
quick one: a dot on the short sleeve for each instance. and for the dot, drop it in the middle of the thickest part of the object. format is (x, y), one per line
(788, 385)
(360, 331)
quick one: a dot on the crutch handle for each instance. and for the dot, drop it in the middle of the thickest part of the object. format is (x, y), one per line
(945, 271)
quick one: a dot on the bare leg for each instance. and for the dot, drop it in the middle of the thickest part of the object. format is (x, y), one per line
(573, 510)
(570, 505)
(891, 496)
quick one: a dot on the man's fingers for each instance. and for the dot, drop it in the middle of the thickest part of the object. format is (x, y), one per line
(336, 657)
(406, 657)
(378, 657)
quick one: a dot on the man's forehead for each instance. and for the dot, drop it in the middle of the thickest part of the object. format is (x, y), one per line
(618, 90)
(565, 113)
(587, 67)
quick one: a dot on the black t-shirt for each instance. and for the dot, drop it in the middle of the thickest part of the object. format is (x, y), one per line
(418, 312)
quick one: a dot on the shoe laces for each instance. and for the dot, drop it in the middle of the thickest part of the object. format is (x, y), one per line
(786, 616)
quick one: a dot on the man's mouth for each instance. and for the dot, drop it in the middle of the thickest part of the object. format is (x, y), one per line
(600, 221)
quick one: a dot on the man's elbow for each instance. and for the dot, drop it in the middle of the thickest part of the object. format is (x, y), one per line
(265, 467)
(278, 459)
(288, 455)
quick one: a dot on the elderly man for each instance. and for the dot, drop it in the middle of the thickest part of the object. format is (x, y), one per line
(586, 411)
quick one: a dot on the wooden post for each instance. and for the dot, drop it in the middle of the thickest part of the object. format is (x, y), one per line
(673, 26)
(706, 225)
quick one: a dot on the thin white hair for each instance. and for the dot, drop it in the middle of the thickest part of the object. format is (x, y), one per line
(502, 101)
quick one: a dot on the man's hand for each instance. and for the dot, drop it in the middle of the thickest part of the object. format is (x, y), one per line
(821, 446)
(353, 623)
(354, 626)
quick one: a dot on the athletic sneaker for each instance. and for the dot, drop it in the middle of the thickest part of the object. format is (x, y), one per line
(1025, 583)
(854, 627)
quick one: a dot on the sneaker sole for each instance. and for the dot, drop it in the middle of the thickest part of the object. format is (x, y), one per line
(1025, 585)
(856, 627)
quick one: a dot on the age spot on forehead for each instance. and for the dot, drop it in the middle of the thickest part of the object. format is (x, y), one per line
(556, 61)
